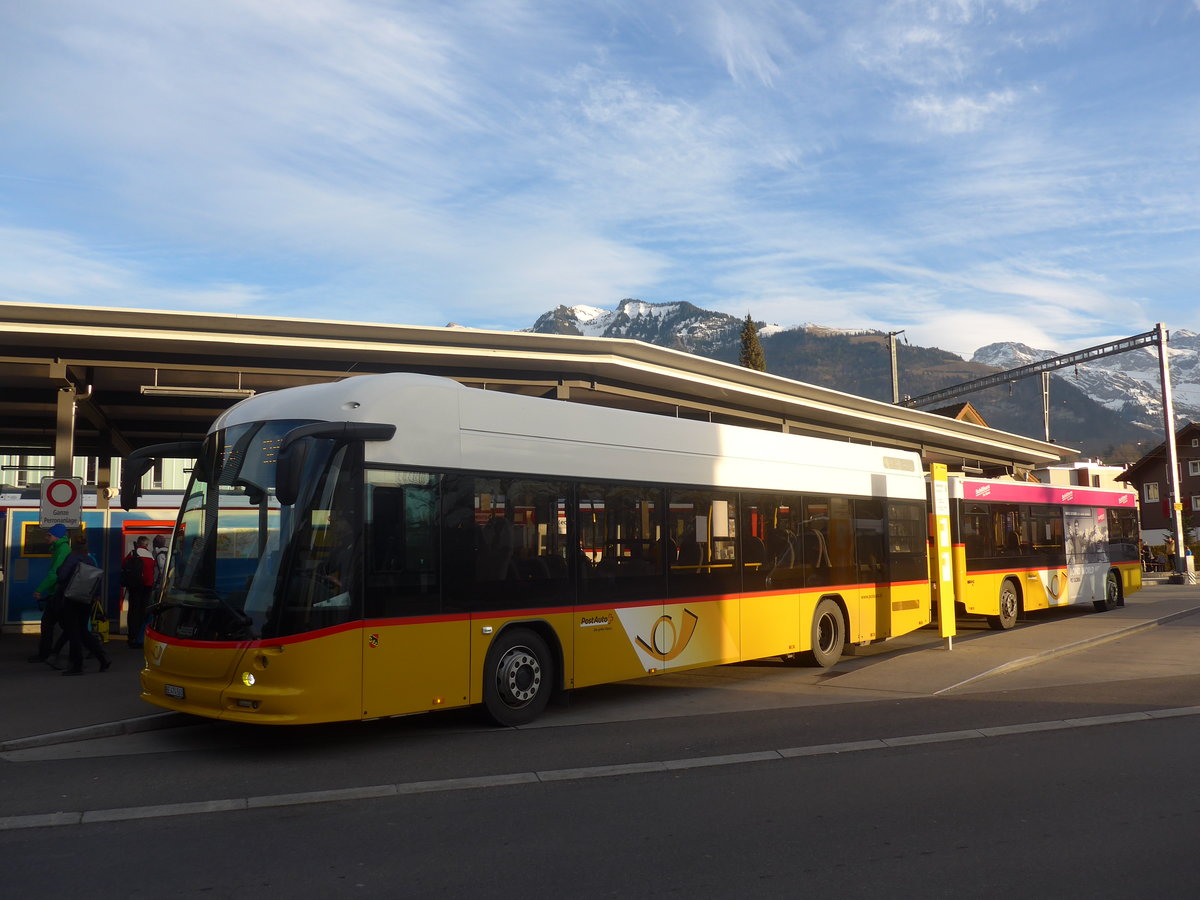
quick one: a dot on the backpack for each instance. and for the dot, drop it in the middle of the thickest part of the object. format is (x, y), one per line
(84, 583)
(133, 573)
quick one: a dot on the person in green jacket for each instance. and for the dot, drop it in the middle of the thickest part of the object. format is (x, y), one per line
(47, 593)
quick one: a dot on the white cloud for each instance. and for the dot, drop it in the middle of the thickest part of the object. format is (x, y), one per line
(853, 163)
(958, 115)
(757, 39)
(48, 267)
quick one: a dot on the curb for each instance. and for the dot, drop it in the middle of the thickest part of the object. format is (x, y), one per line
(153, 722)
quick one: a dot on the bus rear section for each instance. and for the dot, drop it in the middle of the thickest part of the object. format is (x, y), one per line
(1021, 547)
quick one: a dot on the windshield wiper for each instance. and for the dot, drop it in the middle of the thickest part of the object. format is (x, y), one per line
(207, 594)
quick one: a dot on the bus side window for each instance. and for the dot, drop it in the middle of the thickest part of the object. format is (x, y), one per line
(868, 541)
(506, 544)
(621, 534)
(907, 552)
(703, 525)
(401, 542)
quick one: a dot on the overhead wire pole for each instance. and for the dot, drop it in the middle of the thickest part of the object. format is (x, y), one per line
(895, 377)
(1146, 339)
(1172, 451)
(1157, 338)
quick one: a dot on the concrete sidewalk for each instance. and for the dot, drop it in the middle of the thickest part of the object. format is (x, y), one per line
(40, 707)
(932, 669)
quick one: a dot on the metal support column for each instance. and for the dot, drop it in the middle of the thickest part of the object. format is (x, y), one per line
(104, 480)
(64, 433)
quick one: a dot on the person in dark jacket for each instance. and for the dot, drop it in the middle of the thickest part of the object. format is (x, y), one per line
(47, 593)
(139, 592)
(75, 614)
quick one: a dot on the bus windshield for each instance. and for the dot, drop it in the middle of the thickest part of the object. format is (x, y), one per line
(242, 568)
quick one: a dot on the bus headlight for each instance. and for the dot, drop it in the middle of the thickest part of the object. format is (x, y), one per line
(248, 679)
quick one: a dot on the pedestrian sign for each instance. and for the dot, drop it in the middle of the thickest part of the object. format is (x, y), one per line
(62, 501)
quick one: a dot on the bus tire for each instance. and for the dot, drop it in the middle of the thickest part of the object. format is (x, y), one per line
(518, 677)
(828, 635)
(1010, 605)
(1112, 594)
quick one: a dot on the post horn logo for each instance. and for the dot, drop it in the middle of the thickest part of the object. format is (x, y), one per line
(666, 642)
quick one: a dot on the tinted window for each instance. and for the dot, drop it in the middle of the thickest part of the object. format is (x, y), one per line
(907, 541)
(622, 547)
(505, 543)
(869, 547)
(701, 543)
(771, 526)
(402, 543)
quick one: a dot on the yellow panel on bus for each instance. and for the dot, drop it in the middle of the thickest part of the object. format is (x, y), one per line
(414, 666)
(314, 679)
(771, 625)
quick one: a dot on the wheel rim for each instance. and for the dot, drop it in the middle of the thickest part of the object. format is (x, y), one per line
(1008, 603)
(1114, 592)
(518, 677)
(827, 633)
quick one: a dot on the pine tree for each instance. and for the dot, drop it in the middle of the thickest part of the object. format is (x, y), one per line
(752, 352)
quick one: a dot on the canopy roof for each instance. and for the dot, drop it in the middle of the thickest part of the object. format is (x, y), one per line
(107, 357)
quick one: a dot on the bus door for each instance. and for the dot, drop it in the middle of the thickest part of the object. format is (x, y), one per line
(1086, 531)
(415, 656)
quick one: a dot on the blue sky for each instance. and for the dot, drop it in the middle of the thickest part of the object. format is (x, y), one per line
(969, 171)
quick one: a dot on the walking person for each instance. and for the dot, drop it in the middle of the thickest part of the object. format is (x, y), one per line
(137, 577)
(77, 610)
(47, 593)
(1170, 549)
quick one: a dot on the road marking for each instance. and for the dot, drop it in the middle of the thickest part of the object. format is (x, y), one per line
(59, 819)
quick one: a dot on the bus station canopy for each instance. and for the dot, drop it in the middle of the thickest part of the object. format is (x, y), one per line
(77, 380)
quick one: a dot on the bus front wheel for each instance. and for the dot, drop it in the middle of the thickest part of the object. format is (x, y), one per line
(517, 677)
(1112, 594)
(1010, 603)
(828, 635)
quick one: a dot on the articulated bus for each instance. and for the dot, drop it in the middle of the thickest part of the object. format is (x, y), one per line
(1023, 547)
(393, 544)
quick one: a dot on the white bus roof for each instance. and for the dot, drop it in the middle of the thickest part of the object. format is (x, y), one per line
(442, 424)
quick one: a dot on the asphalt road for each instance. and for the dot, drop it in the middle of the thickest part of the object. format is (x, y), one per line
(1071, 777)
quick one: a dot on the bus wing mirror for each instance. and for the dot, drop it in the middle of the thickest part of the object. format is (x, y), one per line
(294, 450)
(138, 463)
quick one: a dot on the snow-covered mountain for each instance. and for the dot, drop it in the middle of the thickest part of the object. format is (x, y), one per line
(1127, 383)
(1107, 406)
(681, 326)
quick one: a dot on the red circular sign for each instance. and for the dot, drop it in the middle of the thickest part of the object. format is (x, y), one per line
(62, 493)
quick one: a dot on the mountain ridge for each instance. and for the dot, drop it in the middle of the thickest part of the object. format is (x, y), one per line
(1109, 407)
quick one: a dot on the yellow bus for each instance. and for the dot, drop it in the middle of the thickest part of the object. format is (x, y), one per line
(393, 544)
(1020, 547)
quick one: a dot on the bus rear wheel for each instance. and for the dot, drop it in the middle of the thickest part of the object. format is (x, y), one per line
(828, 636)
(1010, 604)
(518, 676)
(1112, 594)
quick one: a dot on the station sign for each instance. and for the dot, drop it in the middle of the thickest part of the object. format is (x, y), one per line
(62, 502)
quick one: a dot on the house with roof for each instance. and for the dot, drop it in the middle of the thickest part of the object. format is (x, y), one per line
(1150, 476)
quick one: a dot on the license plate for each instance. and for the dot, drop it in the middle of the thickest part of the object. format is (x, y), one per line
(173, 690)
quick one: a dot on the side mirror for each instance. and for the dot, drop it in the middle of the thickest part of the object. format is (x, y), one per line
(295, 448)
(139, 462)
